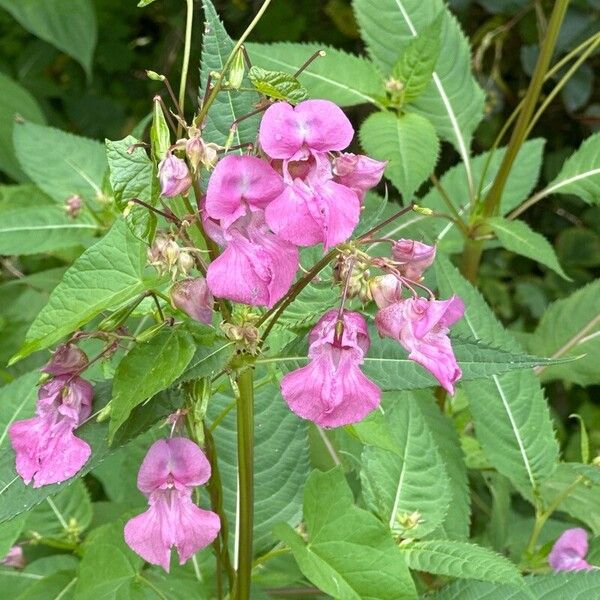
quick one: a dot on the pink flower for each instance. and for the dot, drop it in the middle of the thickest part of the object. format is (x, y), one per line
(169, 472)
(291, 133)
(46, 449)
(414, 256)
(421, 326)
(358, 172)
(174, 176)
(66, 360)
(332, 390)
(386, 290)
(569, 550)
(193, 297)
(14, 558)
(256, 266)
(238, 183)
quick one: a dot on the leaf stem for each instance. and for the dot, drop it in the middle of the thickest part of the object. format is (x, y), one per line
(186, 59)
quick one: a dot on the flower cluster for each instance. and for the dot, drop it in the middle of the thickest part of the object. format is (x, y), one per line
(46, 449)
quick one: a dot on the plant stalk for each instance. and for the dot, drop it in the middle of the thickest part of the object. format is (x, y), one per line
(186, 59)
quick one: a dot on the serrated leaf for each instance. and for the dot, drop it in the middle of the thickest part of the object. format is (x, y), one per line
(512, 421)
(147, 369)
(277, 85)
(107, 274)
(580, 175)
(343, 78)
(462, 560)
(411, 480)
(209, 358)
(349, 554)
(571, 327)
(408, 142)
(519, 238)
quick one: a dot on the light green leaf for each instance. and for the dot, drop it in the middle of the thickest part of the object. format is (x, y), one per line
(43, 229)
(9, 533)
(580, 175)
(408, 142)
(25, 195)
(14, 100)
(343, 78)
(69, 25)
(349, 554)
(17, 401)
(58, 586)
(460, 559)
(411, 480)
(104, 276)
(209, 358)
(277, 85)
(60, 163)
(519, 238)
(571, 327)
(147, 369)
(512, 421)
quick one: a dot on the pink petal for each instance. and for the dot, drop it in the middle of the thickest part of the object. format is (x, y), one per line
(195, 529)
(436, 312)
(193, 297)
(386, 290)
(415, 256)
(358, 172)
(174, 176)
(67, 359)
(569, 551)
(355, 332)
(279, 133)
(77, 398)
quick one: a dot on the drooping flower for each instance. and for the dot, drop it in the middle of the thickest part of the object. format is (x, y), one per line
(14, 558)
(66, 360)
(421, 326)
(414, 256)
(46, 449)
(239, 183)
(332, 390)
(256, 266)
(569, 551)
(170, 471)
(358, 172)
(174, 176)
(193, 297)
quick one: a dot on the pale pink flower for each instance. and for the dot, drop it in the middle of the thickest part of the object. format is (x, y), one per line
(331, 390)
(386, 290)
(45, 447)
(239, 183)
(174, 176)
(569, 551)
(414, 256)
(193, 297)
(14, 558)
(421, 326)
(358, 172)
(169, 472)
(66, 360)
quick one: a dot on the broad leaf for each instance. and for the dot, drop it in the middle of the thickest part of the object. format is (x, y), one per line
(518, 237)
(17, 401)
(349, 554)
(209, 358)
(512, 420)
(343, 78)
(408, 142)
(9, 533)
(58, 586)
(277, 85)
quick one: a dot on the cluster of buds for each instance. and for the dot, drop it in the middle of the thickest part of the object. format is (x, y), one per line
(405, 522)
(73, 205)
(243, 331)
(167, 256)
(351, 270)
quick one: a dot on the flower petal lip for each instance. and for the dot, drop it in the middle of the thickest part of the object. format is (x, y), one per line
(569, 551)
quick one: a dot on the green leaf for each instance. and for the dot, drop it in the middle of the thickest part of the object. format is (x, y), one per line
(228, 106)
(519, 238)
(15, 100)
(411, 480)
(60, 163)
(280, 462)
(14, 582)
(343, 78)
(17, 401)
(460, 559)
(580, 175)
(571, 327)
(452, 101)
(512, 421)
(58, 586)
(43, 229)
(408, 142)
(9, 533)
(277, 85)
(104, 276)
(69, 25)
(417, 61)
(349, 554)
(208, 359)
(147, 369)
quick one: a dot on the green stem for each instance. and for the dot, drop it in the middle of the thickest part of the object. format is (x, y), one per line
(245, 447)
(186, 58)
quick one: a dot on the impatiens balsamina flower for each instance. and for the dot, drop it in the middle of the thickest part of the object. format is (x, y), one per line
(421, 326)
(414, 256)
(168, 475)
(193, 297)
(569, 550)
(46, 449)
(358, 172)
(66, 360)
(332, 390)
(174, 176)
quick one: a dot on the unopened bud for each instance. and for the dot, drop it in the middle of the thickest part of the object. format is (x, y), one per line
(385, 290)
(73, 205)
(394, 86)
(14, 558)
(193, 297)
(155, 76)
(174, 176)
(160, 136)
(66, 360)
(422, 210)
(236, 71)
(408, 521)
(414, 257)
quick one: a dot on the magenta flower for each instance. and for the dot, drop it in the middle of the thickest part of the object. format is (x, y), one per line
(14, 558)
(256, 266)
(358, 172)
(421, 326)
(414, 256)
(169, 472)
(174, 176)
(331, 390)
(292, 133)
(238, 183)
(46, 449)
(193, 297)
(66, 360)
(569, 550)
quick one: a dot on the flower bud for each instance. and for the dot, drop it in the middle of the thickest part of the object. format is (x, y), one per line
(198, 152)
(236, 71)
(160, 136)
(385, 290)
(414, 256)
(73, 205)
(14, 558)
(67, 359)
(174, 176)
(185, 262)
(358, 172)
(193, 297)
